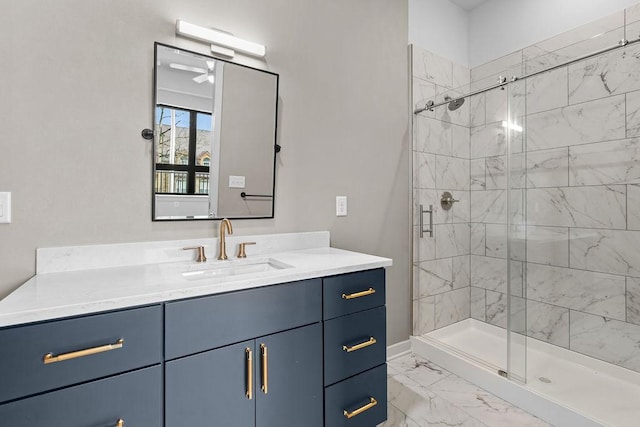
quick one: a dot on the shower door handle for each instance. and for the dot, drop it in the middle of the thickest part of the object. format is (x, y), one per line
(422, 212)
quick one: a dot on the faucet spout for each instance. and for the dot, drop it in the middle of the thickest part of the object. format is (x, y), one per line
(225, 224)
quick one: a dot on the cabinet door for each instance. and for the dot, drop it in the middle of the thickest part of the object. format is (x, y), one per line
(134, 397)
(210, 388)
(293, 378)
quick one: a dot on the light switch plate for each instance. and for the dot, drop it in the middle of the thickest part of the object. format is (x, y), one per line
(236, 181)
(5, 207)
(341, 205)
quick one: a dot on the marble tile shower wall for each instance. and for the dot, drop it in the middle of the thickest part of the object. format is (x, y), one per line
(575, 191)
(441, 163)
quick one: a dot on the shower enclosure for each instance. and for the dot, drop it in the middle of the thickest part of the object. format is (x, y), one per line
(527, 218)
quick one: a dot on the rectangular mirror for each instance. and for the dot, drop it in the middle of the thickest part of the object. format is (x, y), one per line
(214, 138)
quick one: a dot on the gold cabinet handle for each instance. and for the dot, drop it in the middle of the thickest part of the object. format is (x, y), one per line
(249, 356)
(359, 294)
(120, 423)
(50, 358)
(372, 402)
(367, 343)
(265, 368)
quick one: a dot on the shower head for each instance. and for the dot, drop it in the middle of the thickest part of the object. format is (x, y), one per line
(454, 104)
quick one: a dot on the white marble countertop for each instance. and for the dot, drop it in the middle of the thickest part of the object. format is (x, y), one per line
(75, 291)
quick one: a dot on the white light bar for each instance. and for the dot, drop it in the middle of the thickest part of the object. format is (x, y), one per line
(223, 51)
(219, 38)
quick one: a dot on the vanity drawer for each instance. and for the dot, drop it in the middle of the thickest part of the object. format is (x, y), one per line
(200, 324)
(353, 292)
(363, 397)
(135, 397)
(23, 350)
(354, 343)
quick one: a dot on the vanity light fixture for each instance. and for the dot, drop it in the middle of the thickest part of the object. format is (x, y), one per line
(223, 51)
(219, 38)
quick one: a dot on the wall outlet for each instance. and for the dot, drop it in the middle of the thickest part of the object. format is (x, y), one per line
(5, 207)
(236, 181)
(341, 205)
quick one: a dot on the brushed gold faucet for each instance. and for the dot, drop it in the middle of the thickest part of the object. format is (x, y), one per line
(224, 224)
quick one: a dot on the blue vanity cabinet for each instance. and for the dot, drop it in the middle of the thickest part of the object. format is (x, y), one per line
(255, 358)
(355, 380)
(305, 354)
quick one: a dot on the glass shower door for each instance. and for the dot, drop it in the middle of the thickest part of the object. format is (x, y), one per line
(516, 239)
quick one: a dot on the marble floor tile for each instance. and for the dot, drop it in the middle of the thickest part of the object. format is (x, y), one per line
(397, 418)
(482, 405)
(418, 369)
(423, 406)
(423, 394)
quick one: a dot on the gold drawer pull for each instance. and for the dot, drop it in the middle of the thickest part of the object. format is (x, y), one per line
(370, 341)
(372, 402)
(359, 294)
(265, 369)
(120, 423)
(50, 358)
(249, 356)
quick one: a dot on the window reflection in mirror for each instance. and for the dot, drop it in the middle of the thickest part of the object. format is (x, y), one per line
(183, 151)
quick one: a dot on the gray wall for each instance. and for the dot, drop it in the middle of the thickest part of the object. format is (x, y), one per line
(441, 27)
(498, 27)
(76, 90)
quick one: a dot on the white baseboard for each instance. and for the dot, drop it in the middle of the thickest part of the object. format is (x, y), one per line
(398, 349)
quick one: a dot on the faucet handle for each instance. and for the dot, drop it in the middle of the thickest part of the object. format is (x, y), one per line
(201, 257)
(241, 251)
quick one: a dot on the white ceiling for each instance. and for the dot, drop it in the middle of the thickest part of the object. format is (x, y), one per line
(468, 5)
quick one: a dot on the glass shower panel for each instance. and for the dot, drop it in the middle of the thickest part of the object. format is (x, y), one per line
(516, 238)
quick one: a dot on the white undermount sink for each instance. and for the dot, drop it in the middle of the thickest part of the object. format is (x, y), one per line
(234, 268)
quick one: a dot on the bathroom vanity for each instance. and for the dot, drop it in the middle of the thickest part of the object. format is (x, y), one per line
(292, 336)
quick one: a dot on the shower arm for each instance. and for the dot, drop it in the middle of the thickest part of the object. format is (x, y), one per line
(502, 81)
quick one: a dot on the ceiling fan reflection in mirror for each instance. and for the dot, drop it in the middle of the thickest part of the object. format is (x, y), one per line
(205, 75)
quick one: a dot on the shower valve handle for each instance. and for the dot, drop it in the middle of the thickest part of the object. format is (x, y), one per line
(447, 201)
